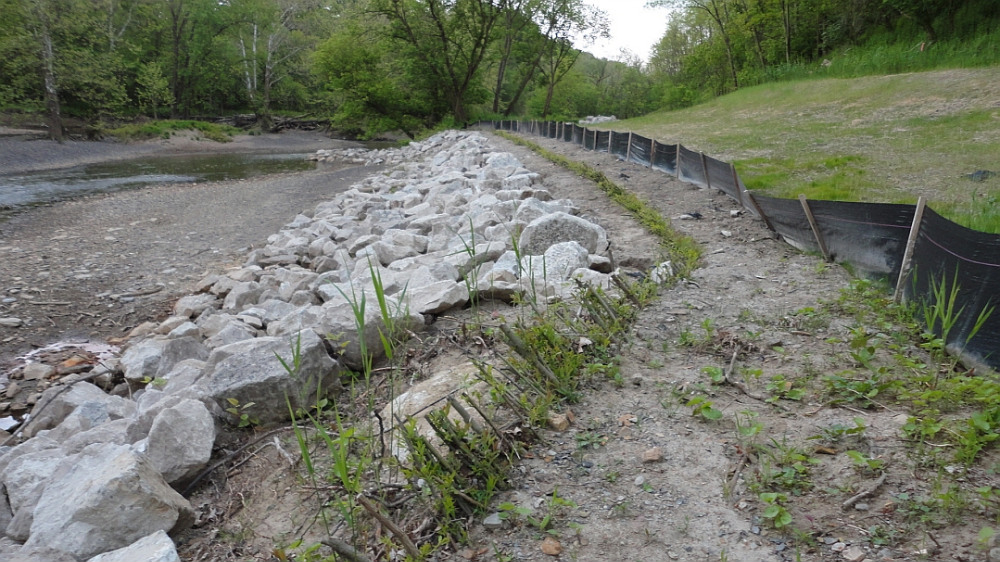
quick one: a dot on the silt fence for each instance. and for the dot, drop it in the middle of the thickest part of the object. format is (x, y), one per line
(926, 257)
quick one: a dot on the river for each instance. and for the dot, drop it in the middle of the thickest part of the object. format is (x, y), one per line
(32, 188)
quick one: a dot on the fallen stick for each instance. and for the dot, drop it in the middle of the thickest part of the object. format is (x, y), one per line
(864, 493)
(742, 386)
(403, 538)
(345, 550)
(141, 293)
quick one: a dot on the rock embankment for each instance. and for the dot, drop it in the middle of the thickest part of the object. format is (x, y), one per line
(97, 473)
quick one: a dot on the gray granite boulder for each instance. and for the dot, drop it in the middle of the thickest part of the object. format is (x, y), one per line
(250, 372)
(106, 498)
(559, 227)
(157, 547)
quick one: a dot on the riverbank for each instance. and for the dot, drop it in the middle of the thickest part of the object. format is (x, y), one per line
(21, 151)
(94, 267)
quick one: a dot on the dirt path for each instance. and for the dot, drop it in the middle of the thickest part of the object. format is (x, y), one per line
(681, 507)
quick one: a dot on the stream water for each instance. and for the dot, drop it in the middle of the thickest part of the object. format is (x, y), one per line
(50, 185)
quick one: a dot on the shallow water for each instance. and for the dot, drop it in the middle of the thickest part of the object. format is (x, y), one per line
(39, 187)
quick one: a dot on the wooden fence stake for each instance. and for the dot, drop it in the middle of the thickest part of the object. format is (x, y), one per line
(677, 161)
(756, 205)
(628, 149)
(652, 148)
(814, 226)
(911, 241)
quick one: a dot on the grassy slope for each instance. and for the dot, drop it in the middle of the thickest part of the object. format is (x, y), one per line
(882, 138)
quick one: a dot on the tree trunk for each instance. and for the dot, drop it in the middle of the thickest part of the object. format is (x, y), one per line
(521, 88)
(786, 20)
(502, 70)
(51, 88)
(548, 99)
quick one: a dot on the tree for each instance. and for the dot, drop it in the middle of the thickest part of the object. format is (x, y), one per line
(515, 27)
(373, 89)
(271, 46)
(719, 12)
(153, 89)
(448, 40)
(925, 12)
(566, 20)
(39, 23)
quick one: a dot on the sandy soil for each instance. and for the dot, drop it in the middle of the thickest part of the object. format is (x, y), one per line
(646, 479)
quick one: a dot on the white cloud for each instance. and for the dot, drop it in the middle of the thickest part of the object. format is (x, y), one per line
(633, 26)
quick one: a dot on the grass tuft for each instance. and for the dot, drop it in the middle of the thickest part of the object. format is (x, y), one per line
(165, 129)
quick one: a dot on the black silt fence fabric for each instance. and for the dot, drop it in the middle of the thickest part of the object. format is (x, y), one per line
(578, 134)
(943, 250)
(664, 158)
(588, 139)
(567, 130)
(603, 141)
(869, 236)
(552, 129)
(720, 176)
(619, 144)
(691, 167)
(789, 221)
(640, 150)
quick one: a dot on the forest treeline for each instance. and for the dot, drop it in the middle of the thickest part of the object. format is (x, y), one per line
(371, 66)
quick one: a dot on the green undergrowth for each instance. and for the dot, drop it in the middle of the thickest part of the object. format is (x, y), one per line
(164, 129)
(397, 485)
(880, 364)
(683, 251)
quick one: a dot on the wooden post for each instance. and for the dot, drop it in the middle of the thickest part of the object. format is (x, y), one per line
(911, 241)
(652, 149)
(704, 168)
(611, 135)
(628, 149)
(677, 161)
(814, 226)
(756, 205)
(739, 190)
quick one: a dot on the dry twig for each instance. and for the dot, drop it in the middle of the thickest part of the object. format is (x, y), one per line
(864, 493)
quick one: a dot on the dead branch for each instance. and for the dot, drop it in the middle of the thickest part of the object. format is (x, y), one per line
(864, 493)
(403, 538)
(345, 550)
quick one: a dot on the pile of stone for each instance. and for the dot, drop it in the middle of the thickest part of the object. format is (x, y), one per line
(595, 119)
(100, 472)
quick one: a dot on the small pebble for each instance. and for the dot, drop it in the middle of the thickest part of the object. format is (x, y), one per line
(11, 322)
(493, 521)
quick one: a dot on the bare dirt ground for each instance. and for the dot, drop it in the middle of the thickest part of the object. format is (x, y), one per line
(640, 476)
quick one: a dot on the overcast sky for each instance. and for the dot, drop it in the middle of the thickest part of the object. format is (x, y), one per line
(633, 27)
